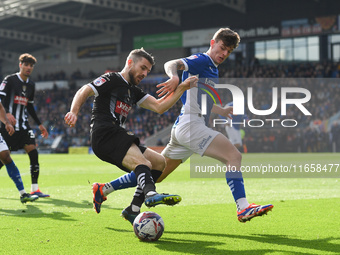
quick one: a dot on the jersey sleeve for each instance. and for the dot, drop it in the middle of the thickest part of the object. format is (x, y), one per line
(140, 95)
(100, 85)
(4, 87)
(194, 63)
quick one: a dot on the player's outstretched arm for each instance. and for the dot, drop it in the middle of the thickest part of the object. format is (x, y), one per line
(79, 99)
(166, 102)
(171, 67)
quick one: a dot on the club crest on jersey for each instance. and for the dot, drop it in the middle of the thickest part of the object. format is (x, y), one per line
(99, 81)
(192, 57)
(122, 108)
(20, 100)
(129, 133)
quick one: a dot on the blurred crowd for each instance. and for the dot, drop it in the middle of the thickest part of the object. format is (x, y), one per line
(310, 135)
(52, 105)
(61, 75)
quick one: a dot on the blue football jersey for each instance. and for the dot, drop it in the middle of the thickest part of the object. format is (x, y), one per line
(202, 66)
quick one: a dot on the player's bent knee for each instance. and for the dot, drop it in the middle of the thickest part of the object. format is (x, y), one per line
(158, 162)
(234, 158)
(5, 157)
(238, 156)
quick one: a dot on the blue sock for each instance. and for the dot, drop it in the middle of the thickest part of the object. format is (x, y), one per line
(14, 173)
(126, 181)
(235, 182)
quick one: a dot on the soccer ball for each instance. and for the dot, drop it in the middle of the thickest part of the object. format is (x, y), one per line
(148, 226)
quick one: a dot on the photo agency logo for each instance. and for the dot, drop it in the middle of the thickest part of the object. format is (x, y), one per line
(282, 98)
(288, 110)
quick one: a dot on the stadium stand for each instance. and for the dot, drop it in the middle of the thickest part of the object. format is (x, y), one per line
(53, 103)
(75, 41)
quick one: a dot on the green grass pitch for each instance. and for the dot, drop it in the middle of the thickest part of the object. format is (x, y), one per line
(304, 220)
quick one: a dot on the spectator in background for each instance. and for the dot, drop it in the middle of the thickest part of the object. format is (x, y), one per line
(233, 129)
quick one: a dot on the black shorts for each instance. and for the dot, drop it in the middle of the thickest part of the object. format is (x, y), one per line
(19, 139)
(111, 144)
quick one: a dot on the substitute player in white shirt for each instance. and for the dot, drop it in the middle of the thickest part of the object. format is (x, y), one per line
(233, 129)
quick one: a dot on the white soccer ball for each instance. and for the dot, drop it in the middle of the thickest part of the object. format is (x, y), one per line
(148, 226)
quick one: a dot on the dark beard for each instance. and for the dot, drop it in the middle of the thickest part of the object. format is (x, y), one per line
(132, 79)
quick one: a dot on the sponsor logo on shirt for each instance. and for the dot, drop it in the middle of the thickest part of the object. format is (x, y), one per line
(99, 81)
(122, 108)
(21, 100)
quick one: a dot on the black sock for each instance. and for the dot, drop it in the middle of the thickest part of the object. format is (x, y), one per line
(139, 197)
(144, 178)
(34, 167)
(156, 174)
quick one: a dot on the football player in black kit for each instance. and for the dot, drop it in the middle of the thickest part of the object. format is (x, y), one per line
(5, 157)
(17, 96)
(115, 94)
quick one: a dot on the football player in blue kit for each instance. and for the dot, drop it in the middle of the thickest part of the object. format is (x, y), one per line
(202, 139)
(190, 133)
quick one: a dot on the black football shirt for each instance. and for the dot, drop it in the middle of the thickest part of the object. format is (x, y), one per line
(15, 95)
(114, 98)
